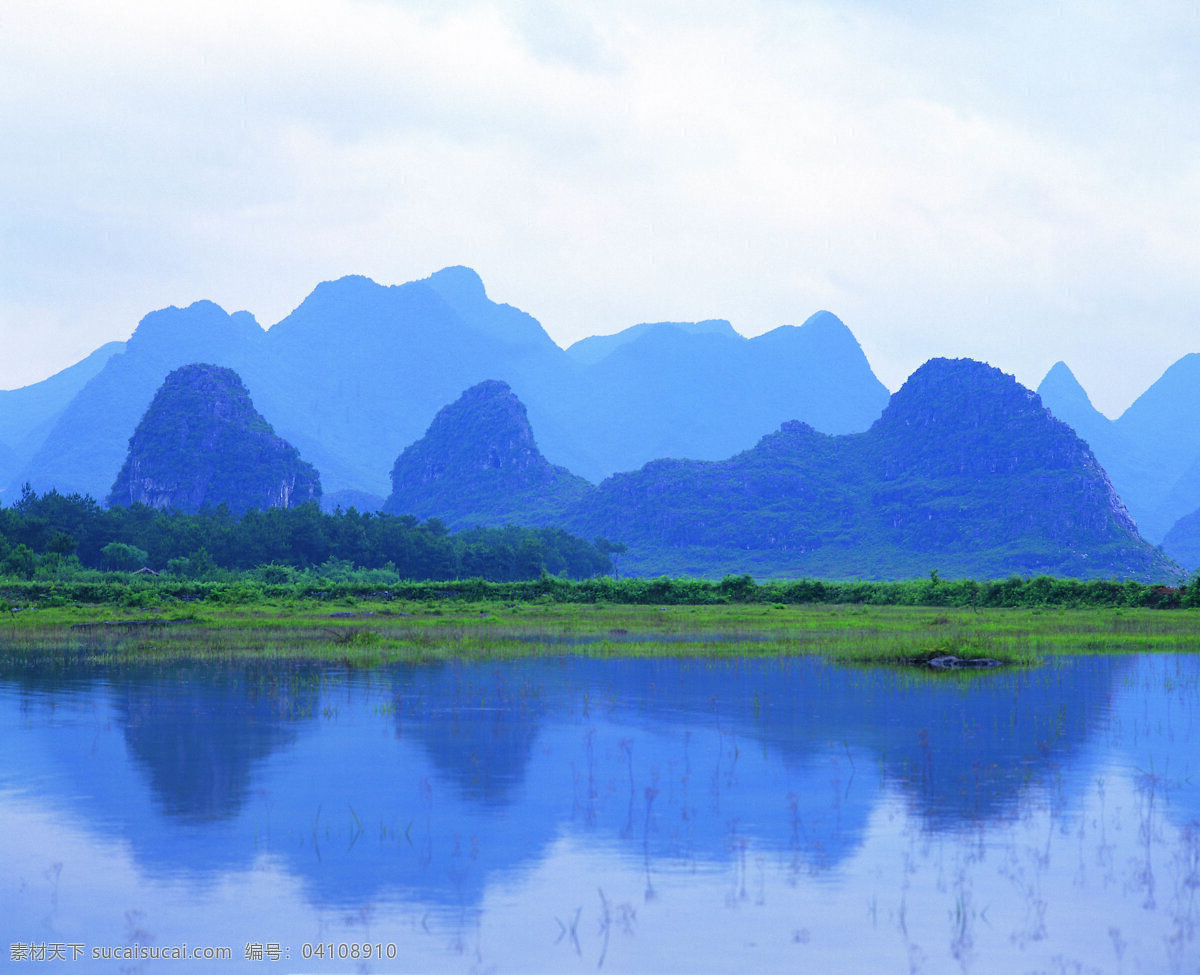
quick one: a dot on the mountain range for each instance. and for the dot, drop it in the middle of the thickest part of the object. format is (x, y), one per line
(358, 371)
(965, 472)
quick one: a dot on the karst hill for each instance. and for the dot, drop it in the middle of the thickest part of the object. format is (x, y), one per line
(202, 444)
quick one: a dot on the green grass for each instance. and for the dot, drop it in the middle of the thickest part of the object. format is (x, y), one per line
(378, 632)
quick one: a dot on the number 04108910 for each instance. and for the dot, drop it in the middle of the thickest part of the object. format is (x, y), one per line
(342, 949)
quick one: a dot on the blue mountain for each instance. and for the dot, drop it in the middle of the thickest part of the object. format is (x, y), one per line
(203, 444)
(28, 414)
(88, 440)
(1152, 451)
(359, 370)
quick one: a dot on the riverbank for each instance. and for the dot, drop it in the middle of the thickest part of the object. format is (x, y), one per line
(364, 633)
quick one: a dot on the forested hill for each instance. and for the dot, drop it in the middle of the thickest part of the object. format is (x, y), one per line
(203, 444)
(478, 464)
(965, 472)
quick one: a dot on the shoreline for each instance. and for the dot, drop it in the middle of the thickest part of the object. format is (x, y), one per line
(363, 633)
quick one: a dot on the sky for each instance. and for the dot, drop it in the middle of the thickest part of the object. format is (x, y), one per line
(1016, 182)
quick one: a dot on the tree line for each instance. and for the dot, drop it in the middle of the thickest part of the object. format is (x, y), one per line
(54, 537)
(338, 580)
(934, 591)
(54, 534)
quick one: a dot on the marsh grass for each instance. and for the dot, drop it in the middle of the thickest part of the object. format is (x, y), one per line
(361, 633)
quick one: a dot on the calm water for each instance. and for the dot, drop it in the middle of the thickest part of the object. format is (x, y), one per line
(581, 815)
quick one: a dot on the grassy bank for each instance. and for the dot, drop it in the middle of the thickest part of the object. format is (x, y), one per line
(358, 632)
(333, 582)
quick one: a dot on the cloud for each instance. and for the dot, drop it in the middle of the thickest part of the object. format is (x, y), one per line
(1015, 181)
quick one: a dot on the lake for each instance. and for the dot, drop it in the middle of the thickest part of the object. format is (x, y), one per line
(576, 814)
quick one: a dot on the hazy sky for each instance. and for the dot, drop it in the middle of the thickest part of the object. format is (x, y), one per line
(1017, 182)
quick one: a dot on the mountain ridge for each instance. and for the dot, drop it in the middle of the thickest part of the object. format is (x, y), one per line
(1151, 451)
(28, 414)
(357, 370)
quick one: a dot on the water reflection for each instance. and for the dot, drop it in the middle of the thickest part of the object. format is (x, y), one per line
(198, 735)
(626, 814)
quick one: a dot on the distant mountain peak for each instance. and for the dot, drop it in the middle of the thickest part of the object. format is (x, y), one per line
(174, 330)
(822, 334)
(596, 347)
(1061, 372)
(462, 290)
(825, 320)
(457, 283)
(1061, 387)
(348, 291)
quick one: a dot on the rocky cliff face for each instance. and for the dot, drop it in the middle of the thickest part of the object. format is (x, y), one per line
(478, 463)
(202, 443)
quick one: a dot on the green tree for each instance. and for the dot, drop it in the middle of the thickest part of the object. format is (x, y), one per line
(121, 557)
(61, 544)
(611, 550)
(20, 562)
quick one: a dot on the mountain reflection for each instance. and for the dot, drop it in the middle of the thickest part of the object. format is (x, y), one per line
(437, 781)
(476, 726)
(199, 733)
